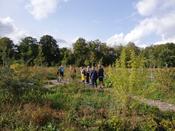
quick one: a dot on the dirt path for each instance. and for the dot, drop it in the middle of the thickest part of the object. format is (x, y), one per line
(53, 83)
(163, 106)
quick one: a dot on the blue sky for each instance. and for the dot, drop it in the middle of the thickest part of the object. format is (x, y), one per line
(144, 22)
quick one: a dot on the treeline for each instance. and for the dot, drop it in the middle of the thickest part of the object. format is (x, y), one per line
(46, 52)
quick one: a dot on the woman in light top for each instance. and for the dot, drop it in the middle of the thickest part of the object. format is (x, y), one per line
(83, 72)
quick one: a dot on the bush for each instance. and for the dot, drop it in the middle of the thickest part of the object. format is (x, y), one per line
(113, 124)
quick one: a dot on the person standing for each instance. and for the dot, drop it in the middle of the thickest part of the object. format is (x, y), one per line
(87, 74)
(83, 73)
(94, 77)
(60, 72)
(101, 76)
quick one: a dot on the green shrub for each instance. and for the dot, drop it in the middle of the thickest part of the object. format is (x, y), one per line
(51, 76)
(113, 124)
(59, 100)
(148, 124)
(167, 125)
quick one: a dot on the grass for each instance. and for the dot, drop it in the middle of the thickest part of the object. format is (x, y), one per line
(74, 106)
(161, 87)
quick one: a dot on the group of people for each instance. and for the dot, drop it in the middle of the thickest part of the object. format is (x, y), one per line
(91, 75)
(88, 75)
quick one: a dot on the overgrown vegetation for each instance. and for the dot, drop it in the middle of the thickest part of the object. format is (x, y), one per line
(27, 103)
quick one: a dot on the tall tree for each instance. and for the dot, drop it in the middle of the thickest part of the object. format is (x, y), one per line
(6, 50)
(160, 55)
(131, 47)
(67, 56)
(50, 50)
(80, 48)
(95, 51)
(28, 50)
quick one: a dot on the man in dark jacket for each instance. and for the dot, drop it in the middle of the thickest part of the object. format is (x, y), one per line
(100, 76)
(94, 76)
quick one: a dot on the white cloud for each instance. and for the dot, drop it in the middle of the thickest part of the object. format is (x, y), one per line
(6, 26)
(159, 20)
(154, 7)
(146, 7)
(117, 39)
(169, 40)
(75, 39)
(9, 29)
(42, 8)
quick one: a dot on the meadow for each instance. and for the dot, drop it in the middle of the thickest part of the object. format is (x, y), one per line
(27, 106)
(134, 41)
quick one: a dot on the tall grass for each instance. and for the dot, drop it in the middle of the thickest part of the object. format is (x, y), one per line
(73, 106)
(126, 80)
(129, 79)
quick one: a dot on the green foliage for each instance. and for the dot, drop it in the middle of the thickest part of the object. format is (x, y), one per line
(49, 127)
(59, 100)
(19, 87)
(47, 52)
(132, 78)
(50, 50)
(160, 55)
(113, 124)
(77, 108)
(126, 81)
(81, 51)
(67, 57)
(6, 51)
(93, 52)
(123, 63)
(148, 125)
(28, 50)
